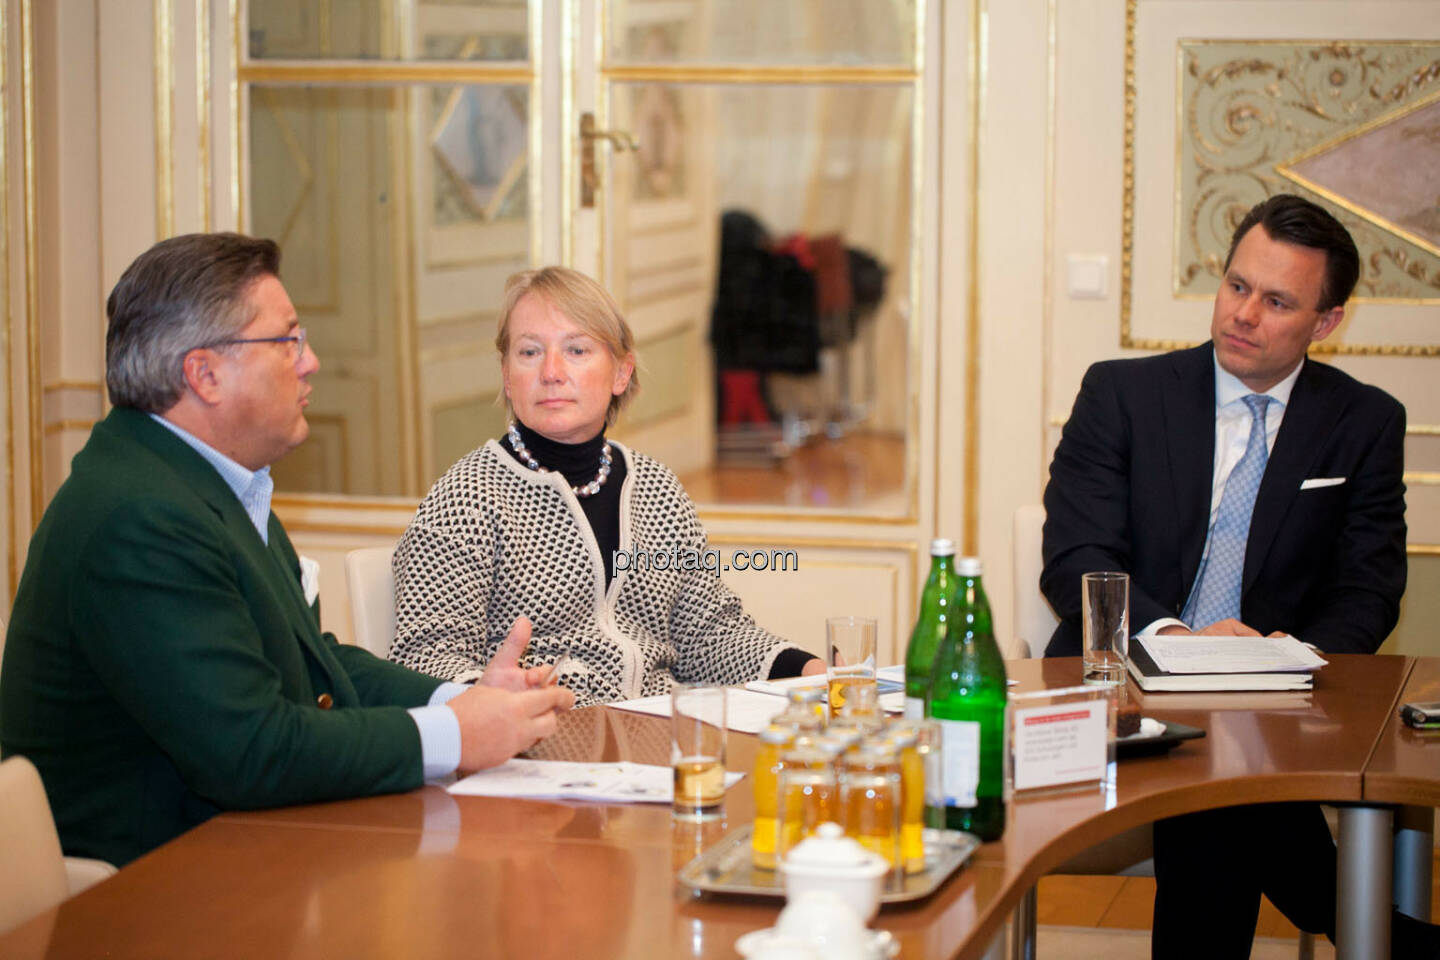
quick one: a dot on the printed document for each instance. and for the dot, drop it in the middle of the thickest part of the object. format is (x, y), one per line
(745, 710)
(563, 780)
(1178, 654)
(887, 680)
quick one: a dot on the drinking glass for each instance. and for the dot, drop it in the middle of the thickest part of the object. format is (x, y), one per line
(849, 658)
(1105, 618)
(692, 836)
(697, 750)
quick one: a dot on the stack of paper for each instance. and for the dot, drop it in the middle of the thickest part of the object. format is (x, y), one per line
(745, 710)
(887, 680)
(750, 710)
(1222, 663)
(560, 780)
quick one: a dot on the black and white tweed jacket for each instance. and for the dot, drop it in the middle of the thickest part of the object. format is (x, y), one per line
(494, 540)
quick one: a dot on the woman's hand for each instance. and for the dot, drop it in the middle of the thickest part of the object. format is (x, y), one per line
(813, 667)
(504, 670)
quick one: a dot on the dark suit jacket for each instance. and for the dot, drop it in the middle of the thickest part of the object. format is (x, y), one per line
(1130, 490)
(162, 664)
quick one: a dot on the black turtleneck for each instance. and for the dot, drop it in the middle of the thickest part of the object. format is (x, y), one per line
(578, 463)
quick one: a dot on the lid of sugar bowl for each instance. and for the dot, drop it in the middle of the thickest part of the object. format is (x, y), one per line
(830, 850)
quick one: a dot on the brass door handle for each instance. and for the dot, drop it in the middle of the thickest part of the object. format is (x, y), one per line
(619, 140)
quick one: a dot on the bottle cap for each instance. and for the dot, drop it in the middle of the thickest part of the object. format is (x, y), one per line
(902, 739)
(843, 739)
(968, 567)
(942, 547)
(830, 850)
(862, 700)
(871, 753)
(811, 754)
(902, 732)
(777, 734)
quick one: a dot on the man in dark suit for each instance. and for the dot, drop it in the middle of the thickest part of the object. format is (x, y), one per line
(163, 661)
(1137, 476)
(1246, 490)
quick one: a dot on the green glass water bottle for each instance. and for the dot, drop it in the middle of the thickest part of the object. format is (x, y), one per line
(930, 626)
(967, 696)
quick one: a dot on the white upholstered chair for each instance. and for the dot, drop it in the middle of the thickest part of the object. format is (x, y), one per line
(34, 875)
(1034, 620)
(1129, 853)
(372, 597)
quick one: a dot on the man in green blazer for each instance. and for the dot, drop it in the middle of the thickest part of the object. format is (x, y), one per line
(163, 662)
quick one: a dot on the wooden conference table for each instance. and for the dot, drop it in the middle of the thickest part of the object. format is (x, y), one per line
(425, 874)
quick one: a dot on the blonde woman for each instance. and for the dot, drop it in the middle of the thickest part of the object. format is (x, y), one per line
(557, 530)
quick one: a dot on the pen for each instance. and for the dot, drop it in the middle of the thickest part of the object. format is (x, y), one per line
(553, 677)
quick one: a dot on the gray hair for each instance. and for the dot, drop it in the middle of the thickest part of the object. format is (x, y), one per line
(186, 292)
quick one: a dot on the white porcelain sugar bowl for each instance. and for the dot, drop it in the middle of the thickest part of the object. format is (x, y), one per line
(816, 925)
(831, 861)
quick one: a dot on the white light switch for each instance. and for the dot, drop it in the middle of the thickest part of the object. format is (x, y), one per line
(1085, 275)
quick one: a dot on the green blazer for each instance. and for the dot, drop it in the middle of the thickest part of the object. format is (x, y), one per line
(162, 664)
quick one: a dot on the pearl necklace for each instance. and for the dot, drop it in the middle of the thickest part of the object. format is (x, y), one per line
(584, 490)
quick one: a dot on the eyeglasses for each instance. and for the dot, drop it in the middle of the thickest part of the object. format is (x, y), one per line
(297, 338)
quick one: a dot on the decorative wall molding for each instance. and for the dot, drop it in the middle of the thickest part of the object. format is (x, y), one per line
(1407, 81)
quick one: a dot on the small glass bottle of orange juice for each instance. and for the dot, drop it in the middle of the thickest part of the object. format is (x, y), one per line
(809, 700)
(905, 740)
(774, 740)
(864, 709)
(870, 799)
(807, 792)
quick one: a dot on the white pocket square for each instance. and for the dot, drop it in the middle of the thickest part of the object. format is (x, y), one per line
(310, 578)
(1314, 482)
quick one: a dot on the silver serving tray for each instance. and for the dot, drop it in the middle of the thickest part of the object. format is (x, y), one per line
(726, 868)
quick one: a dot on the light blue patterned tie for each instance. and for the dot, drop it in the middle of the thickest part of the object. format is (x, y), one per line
(1217, 590)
